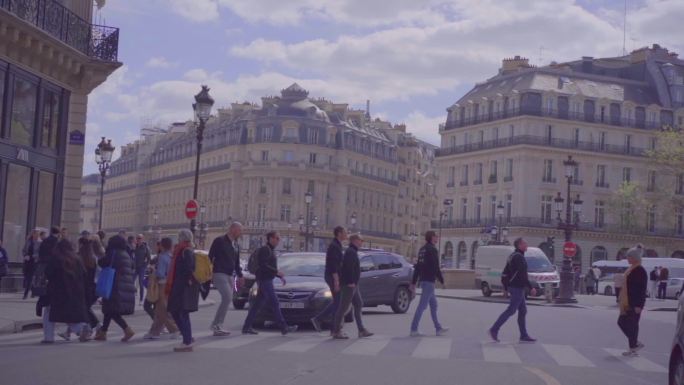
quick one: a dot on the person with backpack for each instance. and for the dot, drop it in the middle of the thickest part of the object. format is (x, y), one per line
(333, 260)
(663, 277)
(653, 282)
(30, 252)
(182, 288)
(141, 258)
(514, 277)
(264, 265)
(225, 257)
(159, 277)
(39, 285)
(428, 270)
(350, 296)
(121, 301)
(589, 281)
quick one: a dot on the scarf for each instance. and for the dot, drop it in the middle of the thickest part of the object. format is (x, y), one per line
(177, 254)
(624, 296)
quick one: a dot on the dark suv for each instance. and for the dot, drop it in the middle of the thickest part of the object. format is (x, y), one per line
(385, 280)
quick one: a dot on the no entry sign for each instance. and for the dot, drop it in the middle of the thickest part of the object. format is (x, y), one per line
(191, 209)
(569, 249)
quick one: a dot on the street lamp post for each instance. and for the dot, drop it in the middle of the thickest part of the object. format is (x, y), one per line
(442, 214)
(308, 198)
(566, 294)
(202, 226)
(352, 220)
(500, 212)
(155, 229)
(103, 158)
(202, 109)
(288, 245)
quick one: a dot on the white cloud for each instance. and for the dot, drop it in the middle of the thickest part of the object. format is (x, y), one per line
(195, 10)
(424, 127)
(159, 62)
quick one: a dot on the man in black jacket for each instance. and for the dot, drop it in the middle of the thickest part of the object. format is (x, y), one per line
(428, 270)
(350, 273)
(141, 259)
(333, 261)
(515, 278)
(45, 254)
(265, 274)
(225, 256)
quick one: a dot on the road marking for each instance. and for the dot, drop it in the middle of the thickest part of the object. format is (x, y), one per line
(368, 346)
(433, 348)
(21, 336)
(547, 378)
(499, 353)
(234, 342)
(638, 363)
(566, 355)
(299, 345)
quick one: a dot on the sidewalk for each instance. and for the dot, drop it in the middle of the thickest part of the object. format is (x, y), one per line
(18, 315)
(583, 301)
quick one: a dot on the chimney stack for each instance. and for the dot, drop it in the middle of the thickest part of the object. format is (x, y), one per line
(514, 64)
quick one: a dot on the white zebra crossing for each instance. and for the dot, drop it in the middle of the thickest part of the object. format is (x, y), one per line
(638, 363)
(565, 355)
(424, 348)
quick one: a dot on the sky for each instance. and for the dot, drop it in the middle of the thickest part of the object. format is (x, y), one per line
(411, 58)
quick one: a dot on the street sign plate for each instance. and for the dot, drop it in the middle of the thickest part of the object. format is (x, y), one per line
(191, 209)
(569, 249)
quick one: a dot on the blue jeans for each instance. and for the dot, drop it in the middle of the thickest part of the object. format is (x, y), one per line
(517, 304)
(330, 310)
(427, 296)
(140, 273)
(267, 295)
(48, 326)
(182, 319)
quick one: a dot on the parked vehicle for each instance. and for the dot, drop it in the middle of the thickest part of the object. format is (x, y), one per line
(609, 268)
(241, 293)
(491, 260)
(676, 364)
(385, 280)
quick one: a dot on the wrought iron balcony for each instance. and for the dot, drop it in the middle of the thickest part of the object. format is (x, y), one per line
(96, 41)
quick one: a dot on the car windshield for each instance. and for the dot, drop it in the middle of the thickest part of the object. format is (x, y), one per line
(538, 265)
(676, 272)
(302, 265)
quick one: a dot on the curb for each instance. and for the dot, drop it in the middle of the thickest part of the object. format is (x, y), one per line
(476, 299)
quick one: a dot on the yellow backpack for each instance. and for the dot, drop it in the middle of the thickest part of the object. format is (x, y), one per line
(203, 266)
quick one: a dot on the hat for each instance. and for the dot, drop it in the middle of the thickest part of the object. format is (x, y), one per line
(85, 233)
(636, 252)
(355, 236)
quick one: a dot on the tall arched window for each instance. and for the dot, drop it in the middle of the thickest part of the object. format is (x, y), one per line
(598, 253)
(448, 256)
(473, 253)
(462, 254)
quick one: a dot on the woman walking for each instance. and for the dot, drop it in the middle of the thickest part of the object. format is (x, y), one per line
(632, 299)
(122, 300)
(30, 252)
(158, 278)
(66, 289)
(182, 288)
(90, 249)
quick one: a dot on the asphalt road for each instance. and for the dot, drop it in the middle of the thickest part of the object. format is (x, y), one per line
(576, 346)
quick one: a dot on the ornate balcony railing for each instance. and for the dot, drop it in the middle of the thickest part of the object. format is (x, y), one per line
(544, 142)
(375, 178)
(558, 114)
(96, 41)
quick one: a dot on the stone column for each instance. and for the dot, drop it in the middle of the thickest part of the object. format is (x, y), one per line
(73, 170)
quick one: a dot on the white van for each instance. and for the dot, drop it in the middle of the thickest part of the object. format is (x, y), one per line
(675, 266)
(491, 260)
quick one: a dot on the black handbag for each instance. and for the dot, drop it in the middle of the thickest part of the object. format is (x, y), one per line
(191, 294)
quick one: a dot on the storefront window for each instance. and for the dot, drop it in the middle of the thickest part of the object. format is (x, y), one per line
(23, 112)
(50, 129)
(46, 190)
(16, 210)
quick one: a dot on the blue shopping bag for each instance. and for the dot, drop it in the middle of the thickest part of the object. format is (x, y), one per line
(105, 280)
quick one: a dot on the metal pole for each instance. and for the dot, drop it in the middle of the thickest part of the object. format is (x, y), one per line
(566, 294)
(200, 137)
(306, 236)
(439, 244)
(103, 172)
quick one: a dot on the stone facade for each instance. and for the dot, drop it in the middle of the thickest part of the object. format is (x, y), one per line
(505, 141)
(90, 203)
(257, 164)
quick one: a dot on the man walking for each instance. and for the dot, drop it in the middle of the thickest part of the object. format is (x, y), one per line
(427, 269)
(141, 258)
(663, 277)
(333, 260)
(265, 274)
(653, 282)
(350, 273)
(515, 278)
(225, 256)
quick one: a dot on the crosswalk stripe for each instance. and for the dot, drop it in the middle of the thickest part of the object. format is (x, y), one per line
(500, 353)
(566, 355)
(368, 346)
(638, 363)
(20, 336)
(431, 347)
(235, 342)
(299, 345)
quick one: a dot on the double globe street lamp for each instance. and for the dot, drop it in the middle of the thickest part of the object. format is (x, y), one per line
(308, 198)
(103, 158)
(202, 109)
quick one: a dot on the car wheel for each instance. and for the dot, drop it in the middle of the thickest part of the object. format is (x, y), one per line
(486, 290)
(402, 300)
(239, 304)
(676, 372)
(608, 290)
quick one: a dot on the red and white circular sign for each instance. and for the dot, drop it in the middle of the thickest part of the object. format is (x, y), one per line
(569, 249)
(191, 209)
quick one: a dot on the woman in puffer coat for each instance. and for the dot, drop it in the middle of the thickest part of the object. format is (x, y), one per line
(122, 299)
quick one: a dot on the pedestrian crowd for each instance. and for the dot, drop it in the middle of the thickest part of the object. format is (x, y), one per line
(66, 281)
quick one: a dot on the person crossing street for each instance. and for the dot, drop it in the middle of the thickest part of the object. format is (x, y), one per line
(225, 256)
(333, 260)
(427, 270)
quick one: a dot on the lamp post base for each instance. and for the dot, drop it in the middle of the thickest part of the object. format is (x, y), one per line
(566, 294)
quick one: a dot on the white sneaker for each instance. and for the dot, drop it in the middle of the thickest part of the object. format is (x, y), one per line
(630, 353)
(416, 334)
(149, 336)
(443, 331)
(639, 346)
(219, 332)
(174, 335)
(66, 336)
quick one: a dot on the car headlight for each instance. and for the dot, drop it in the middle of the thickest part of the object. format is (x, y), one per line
(325, 293)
